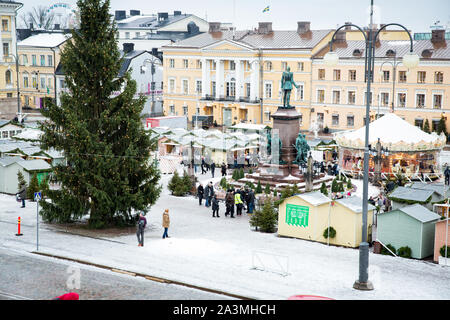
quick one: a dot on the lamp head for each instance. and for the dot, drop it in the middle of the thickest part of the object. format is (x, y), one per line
(411, 60)
(331, 59)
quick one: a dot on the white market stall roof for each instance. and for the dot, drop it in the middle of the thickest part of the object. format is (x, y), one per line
(394, 133)
(249, 126)
(29, 134)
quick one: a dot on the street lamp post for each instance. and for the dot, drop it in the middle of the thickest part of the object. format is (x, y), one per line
(153, 62)
(394, 65)
(19, 113)
(410, 60)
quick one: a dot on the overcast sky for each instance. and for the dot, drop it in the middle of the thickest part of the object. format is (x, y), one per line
(416, 15)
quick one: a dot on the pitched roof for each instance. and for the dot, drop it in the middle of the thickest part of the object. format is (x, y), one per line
(316, 198)
(34, 165)
(418, 212)
(420, 195)
(45, 40)
(401, 47)
(436, 187)
(354, 203)
(6, 161)
(149, 22)
(273, 40)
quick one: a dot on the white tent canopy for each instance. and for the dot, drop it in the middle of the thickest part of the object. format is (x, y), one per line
(394, 133)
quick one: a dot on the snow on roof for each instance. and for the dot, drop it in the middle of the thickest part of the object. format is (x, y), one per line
(34, 165)
(394, 133)
(29, 134)
(417, 212)
(411, 194)
(315, 198)
(249, 126)
(6, 161)
(46, 40)
(354, 203)
(436, 187)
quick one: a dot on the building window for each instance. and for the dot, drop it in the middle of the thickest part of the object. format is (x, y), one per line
(62, 84)
(231, 88)
(5, 25)
(321, 74)
(321, 96)
(5, 134)
(350, 121)
(247, 85)
(33, 60)
(351, 75)
(284, 66)
(386, 76)
(438, 77)
(172, 110)
(50, 60)
(336, 75)
(172, 85)
(25, 81)
(172, 63)
(24, 59)
(300, 92)
(437, 101)
(199, 64)
(401, 101)
(268, 90)
(185, 63)
(232, 65)
(185, 86)
(335, 120)
(42, 60)
(268, 66)
(127, 35)
(6, 49)
(421, 76)
(418, 123)
(336, 97)
(402, 76)
(420, 100)
(434, 125)
(42, 83)
(198, 86)
(266, 116)
(351, 97)
(213, 88)
(213, 65)
(185, 110)
(300, 66)
(8, 77)
(384, 97)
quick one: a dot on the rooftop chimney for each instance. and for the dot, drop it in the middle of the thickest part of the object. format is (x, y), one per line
(128, 47)
(177, 13)
(346, 28)
(120, 15)
(163, 16)
(438, 36)
(135, 12)
(340, 36)
(214, 27)
(56, 27)
(264, 27)
(303, 27)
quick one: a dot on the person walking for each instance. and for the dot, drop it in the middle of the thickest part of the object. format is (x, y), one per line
(447, 175)
(238, 202)
(209, 193)
(200, 193)
(215, 207)
(22, 194)
(251, 201)
(229, 200)
(166, 223)
(224, 169)
(203, 165)
(213, 168)
(142, 223)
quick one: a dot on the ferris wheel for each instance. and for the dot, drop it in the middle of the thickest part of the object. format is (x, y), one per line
(64, 13)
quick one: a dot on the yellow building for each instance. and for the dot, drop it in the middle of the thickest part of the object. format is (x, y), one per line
(39, 55)
(235, 76)
(339, 92)
(8, 13)
(308, 215)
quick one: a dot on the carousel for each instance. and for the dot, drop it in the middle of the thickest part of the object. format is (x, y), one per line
(396, 147)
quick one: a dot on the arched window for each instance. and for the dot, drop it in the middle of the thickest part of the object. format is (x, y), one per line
(8, 77)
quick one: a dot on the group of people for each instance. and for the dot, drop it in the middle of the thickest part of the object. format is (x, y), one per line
(142, 223)
(382, 203)
(205, 166)
(240, 198)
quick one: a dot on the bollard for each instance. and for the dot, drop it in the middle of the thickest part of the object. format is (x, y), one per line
(18, 233)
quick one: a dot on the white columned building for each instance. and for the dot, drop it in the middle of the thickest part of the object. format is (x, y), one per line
(219, 78)
(254, 85)
(205, 77)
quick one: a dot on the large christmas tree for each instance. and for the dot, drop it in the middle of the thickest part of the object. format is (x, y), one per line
(109, 172)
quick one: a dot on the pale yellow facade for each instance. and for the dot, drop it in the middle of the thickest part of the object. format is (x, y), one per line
(339, 92)
(8, 12)
(346, 222)
(224, 80)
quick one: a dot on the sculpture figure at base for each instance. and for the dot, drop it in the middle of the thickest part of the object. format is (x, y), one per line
(302, 148)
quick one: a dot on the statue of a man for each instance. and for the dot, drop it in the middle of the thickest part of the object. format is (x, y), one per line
(287, 82)
(302, 147)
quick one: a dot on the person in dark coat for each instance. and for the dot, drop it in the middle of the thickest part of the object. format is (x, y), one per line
(229, 200)
(251, 201)
(224, 169)
(200, 193)
(215, 207)
(209, 193)
(203, 165)
(23, 194)
(447, 175)
(213, 168)
(142, 222)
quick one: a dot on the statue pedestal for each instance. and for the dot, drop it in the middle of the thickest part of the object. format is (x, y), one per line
(286, 121)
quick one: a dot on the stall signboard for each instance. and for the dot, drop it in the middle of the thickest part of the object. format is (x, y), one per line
(297, 215)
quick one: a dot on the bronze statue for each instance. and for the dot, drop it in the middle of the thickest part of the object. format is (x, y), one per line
(302, 147)
(287, 82)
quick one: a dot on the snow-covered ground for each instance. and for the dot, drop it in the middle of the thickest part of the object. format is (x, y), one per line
(220, 253)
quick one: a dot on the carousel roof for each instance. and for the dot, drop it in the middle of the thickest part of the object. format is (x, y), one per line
(394, 133)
